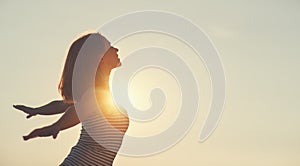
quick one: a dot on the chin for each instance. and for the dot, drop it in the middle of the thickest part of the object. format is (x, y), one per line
(119, 64)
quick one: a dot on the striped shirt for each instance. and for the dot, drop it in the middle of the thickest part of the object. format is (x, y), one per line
(89, 150)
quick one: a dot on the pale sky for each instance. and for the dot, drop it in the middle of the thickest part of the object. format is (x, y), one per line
(258, 42)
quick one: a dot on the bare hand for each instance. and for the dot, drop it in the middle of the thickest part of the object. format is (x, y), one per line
(43, 132)
(28, 110)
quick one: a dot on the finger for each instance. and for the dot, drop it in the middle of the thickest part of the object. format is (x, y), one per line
(32, 134)
(25, 109)
(16, 106)
(26, 138)
(19, 107)
(55, 135)
(22, 107)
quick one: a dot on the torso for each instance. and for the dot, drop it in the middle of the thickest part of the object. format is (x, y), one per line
(88, 151)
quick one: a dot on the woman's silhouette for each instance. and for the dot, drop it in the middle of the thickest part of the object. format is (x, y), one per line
(87, 151)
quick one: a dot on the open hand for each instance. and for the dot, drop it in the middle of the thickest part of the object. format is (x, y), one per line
(43, 132)
(28, 110)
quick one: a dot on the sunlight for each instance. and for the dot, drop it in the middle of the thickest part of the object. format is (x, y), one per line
(105, 100)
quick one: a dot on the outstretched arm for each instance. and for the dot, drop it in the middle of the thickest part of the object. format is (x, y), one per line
(54, 107)
(69, 119)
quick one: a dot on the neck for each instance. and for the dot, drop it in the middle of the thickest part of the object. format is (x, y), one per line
(102, 80)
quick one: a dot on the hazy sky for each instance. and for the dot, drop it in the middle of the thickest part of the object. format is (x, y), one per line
(258, 42)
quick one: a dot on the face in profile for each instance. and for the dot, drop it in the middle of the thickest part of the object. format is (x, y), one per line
(110, 59)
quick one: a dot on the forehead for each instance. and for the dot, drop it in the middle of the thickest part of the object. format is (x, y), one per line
(106, 42)
(107, 45)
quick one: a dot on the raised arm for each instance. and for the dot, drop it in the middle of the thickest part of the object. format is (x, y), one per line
(54, 107)
(68, 120)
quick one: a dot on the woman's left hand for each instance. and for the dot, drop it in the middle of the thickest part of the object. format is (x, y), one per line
(52, 130)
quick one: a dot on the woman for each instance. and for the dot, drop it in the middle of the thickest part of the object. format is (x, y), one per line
(87, 151)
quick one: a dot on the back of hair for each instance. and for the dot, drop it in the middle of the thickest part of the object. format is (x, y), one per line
(65, 84)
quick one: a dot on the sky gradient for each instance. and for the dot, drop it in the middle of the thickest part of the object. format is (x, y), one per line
(258, 44)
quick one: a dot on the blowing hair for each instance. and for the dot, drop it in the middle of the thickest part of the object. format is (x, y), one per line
(65, 84)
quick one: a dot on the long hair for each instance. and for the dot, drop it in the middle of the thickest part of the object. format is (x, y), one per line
(65, 84)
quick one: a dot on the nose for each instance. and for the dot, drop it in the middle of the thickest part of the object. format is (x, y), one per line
(116, 49)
